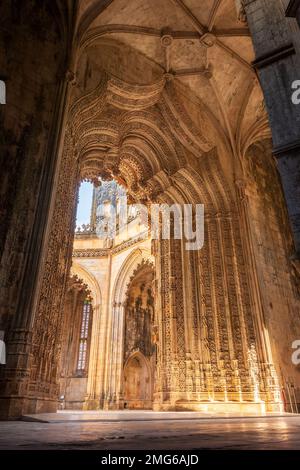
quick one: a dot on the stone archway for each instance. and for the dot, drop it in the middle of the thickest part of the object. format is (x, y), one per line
(75, 343)
(212, 344)
(116, 328)
(93, 383)
(137, 382)
(139, 356)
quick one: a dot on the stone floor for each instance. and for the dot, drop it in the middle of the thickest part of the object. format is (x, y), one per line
(150, 430)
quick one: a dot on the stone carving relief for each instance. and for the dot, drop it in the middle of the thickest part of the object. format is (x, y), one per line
(203, 329)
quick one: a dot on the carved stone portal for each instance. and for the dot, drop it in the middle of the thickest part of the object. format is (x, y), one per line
(171, 110)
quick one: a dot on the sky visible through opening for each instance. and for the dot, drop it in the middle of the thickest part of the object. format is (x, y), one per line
(84, 207)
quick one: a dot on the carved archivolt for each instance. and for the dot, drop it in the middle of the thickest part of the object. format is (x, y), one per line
(133, 97)
(79, 271)
(119, 121)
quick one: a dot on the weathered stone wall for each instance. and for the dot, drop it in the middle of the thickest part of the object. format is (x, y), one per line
(278, 281)
(32, 64)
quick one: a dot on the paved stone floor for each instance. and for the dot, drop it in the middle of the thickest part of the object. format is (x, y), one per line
(150, 430)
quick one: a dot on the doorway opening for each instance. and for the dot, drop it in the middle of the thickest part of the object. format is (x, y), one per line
(140, 347)
(137, 383)
(112, 276)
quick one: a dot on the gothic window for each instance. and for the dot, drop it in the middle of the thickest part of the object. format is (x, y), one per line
(84, 335)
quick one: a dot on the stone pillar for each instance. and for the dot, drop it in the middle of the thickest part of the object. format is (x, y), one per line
(288, 164)
(14, 380)
(277, 44)
(163, 386)
(94, 389)
(31, 153)
(264, 378)
(118, 357)
(114, 358)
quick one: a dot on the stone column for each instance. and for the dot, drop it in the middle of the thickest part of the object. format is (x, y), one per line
(118, 357)
(173, 362)
(15, 378)
(277, 44)
(266, 387)
(94, 391)
(288, 164)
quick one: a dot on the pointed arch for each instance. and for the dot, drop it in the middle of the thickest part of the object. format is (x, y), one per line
(136, 257)
(137, 393)
(90, 280)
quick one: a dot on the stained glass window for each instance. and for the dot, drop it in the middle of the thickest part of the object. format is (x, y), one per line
(84, 334)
